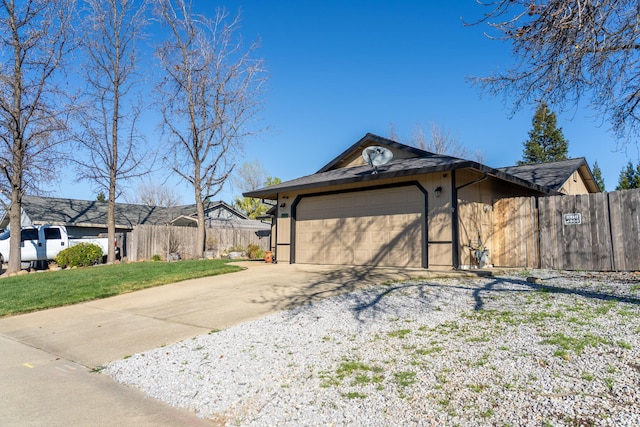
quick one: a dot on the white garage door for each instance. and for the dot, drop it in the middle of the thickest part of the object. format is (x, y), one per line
(383, 227)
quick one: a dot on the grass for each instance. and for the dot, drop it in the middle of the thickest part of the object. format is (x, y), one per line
(577, 344)
(40, 291)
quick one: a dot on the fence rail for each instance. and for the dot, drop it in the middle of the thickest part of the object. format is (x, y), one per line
(599, 232)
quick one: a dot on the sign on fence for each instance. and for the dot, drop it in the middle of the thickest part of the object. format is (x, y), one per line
(572, 218)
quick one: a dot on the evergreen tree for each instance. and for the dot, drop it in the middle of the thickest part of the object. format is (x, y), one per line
(629, 177)
(597, 176)
(546, 142)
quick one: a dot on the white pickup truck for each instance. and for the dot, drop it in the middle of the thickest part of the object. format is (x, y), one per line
(44, 243)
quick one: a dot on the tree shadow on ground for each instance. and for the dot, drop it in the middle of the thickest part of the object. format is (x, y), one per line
(381, 283)
(493, 286)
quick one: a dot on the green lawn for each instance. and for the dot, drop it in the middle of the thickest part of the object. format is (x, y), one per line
(39, 291)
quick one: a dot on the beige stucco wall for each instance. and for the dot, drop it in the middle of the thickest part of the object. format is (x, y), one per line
(574, 185)
(438, 215)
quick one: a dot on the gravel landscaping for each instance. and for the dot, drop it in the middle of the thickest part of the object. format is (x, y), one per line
(499, 351)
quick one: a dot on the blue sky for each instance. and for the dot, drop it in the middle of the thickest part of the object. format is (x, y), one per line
(341, 69)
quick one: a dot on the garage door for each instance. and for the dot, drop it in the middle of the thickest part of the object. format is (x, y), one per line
(383, 227)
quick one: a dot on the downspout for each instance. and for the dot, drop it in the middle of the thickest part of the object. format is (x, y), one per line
(275, 248)
(455, 232)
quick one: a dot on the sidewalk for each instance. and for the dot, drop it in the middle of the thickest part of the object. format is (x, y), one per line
(48, 357)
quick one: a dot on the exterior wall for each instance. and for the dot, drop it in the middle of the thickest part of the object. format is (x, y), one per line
(283, 236)
(357, 160)
(574, 185)
(439, 231)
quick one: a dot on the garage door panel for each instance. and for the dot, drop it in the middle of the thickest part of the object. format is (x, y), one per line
(378, 227)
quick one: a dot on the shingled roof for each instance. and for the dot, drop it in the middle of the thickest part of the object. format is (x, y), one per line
(394, 169)
(552, 174)
(545, 178)
(92, 213)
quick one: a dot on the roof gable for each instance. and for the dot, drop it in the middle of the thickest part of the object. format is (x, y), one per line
(554, 175)
(352, 156)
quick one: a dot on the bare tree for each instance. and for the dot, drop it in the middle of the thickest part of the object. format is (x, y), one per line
(438, 141)
(250, 176)
(33, 43)
(108, 120)
(208, 97)
(569, 50)
(393, 134)
(151, 194)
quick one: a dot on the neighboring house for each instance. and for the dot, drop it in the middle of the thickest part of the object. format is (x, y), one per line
(88, 218)
(419, 210)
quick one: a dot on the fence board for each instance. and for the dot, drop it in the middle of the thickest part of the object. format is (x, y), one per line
(515, 228)
(145, 241)
(551, 237)
(625, 229)
(601, 239)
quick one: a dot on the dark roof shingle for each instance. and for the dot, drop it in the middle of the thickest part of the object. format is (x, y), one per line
(551, 175)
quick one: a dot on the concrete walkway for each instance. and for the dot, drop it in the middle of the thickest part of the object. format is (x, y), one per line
(48, 358)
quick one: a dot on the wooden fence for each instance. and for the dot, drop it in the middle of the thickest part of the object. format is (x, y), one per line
(599, 232)
(145, 241)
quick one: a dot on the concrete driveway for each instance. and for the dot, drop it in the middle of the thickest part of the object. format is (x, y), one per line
(50, 358)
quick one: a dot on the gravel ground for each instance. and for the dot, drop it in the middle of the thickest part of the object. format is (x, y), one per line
(471, 351)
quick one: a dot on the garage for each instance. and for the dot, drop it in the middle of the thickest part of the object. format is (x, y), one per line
(380, 227)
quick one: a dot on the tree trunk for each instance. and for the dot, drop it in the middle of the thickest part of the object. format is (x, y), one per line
(111, 223)
(15, 224)
(202, 231)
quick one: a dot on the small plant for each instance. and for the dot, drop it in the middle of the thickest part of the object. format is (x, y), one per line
(609, 383)
(254, 252)
(477, 388)
(625, 345)
(354, 395)
(80, 255)
(577, 345)
(587, 376)
(405, 378)
(156, 258)
(400, 333)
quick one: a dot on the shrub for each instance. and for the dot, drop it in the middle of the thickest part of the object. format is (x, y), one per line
(80, 255)
(255, 252)
(236, 248)
(156, 257)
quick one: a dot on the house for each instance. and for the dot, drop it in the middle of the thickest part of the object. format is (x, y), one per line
(88, 218)
(420, 209)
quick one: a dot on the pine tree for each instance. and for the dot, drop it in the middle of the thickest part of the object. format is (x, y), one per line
(629, 177)
(597, 176)
(546, 142)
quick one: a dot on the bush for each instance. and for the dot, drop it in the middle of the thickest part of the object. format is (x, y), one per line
(255, 252)
(80, 255)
